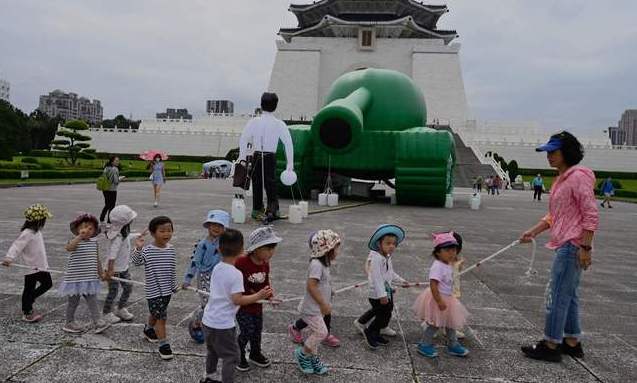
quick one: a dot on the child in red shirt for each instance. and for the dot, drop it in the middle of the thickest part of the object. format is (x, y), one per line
(255, 267)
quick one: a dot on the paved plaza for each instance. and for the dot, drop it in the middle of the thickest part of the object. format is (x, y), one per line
(506, 306)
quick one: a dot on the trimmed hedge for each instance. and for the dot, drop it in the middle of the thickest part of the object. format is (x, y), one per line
(616, 184)
(123, 156)
(598, 174)
(52, 174)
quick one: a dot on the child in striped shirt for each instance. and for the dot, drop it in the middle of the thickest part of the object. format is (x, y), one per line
(159, 260)
(83, 274)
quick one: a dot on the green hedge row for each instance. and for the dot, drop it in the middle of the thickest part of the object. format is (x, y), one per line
(51, 174)
(122, 156)
(598, 174)
(620, 193)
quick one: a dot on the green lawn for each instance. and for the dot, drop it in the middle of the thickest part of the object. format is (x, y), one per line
(626, 184)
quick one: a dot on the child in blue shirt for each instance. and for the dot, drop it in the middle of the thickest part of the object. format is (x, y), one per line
(205, 257)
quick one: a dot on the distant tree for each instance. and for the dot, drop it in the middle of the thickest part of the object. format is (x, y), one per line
(42, 129)
(513, 169)
(121, 122)
(74, 144)
(14, 136)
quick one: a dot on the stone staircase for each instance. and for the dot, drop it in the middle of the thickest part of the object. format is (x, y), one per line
(468, 166)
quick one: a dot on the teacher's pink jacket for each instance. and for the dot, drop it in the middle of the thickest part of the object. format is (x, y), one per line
(572, 207)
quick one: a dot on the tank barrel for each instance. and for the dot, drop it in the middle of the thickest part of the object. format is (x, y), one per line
(339, 125)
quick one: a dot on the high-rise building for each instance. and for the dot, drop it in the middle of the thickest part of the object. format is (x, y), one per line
(71, 107)
(219, 107)
(617, 136)
(5, 87)
(174, 114)
(628, 126)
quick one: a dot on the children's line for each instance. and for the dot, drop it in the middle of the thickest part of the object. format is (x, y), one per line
(274, 301)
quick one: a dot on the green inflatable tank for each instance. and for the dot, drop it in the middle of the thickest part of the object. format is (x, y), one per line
(372, 127)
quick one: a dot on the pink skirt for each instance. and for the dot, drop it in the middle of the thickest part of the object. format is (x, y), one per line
(426, 309)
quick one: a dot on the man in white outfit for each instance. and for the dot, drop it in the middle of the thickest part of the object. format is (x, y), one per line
(264, 133)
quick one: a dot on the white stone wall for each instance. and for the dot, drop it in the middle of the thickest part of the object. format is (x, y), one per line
(210, 123)
(305, 69)
(177, 143)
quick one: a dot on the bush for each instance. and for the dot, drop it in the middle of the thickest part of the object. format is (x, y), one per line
(598, 174)
(52, 174)
(18, 166)
(29, 160)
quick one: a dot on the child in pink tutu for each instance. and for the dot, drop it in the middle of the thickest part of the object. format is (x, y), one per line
(437, 306)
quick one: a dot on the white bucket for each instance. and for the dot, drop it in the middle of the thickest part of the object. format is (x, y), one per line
(322, 199)
(449, 201)
(238, 210)
(295, 215)
(249, 191)
(332, 199)
(392, 199)
(474, 202)
(305, 208)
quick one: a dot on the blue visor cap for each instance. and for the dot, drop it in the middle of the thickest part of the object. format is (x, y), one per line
(551, 146)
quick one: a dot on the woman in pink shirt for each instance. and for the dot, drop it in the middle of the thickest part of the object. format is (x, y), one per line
(572, 220)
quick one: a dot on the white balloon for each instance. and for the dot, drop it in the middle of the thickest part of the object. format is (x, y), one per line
(288, 178)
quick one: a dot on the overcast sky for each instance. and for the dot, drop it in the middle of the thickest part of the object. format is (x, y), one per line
(564, 63)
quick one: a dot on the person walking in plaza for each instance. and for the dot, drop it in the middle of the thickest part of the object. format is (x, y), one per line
(205, 257)
(381, 275)
(317, 301)
(226, 296)
(111, 172)
(157, 176)
(117, 262)
(489, 184)
(159, 260)
(538, 187)
(83, 274)
(30, 245)
(607, 190)
(264, 133)
(477, 184)
(437, 306)
(572, 220)
(497, 184)
(255, 267)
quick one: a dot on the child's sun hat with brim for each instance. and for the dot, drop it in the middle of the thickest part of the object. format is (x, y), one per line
(383, 230)
(37, 212)
(262, 236)
(120, 216)
(220, 217)
(84, 217)
(323, 241)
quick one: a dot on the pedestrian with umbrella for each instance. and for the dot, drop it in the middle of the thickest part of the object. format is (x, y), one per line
(157, 171)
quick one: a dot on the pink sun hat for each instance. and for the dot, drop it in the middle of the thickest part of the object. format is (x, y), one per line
(444, 239)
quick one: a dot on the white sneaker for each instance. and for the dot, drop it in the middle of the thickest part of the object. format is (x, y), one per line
(155, 204)
(460, 334)
(360, 327)
(73, 328)
(111, 318)
(388, 331)
(100, 326)
(124, 315)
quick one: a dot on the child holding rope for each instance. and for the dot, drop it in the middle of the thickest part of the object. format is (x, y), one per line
(437, 306)
(226, 296)
(381, 276)
(118, 258)
(83, 274)
(255, 267)
(159, 260)
(316, 303)
(205, 257)
(30, 245)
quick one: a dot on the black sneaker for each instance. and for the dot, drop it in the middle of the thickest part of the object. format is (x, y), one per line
(208, 380)
(381, 341)
(371, 340)
(150, 334)
(243, 364)
(165, 352)
(541, 351)
(574, 351)
(260, 360)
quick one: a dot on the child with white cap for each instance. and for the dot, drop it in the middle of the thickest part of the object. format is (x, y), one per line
(317, 300)
(255, 267)
(118, 259)
(205, 257)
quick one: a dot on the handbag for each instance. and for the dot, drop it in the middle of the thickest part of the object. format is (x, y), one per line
(241, 177)
(102, 183)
